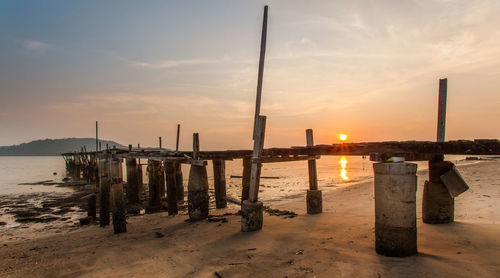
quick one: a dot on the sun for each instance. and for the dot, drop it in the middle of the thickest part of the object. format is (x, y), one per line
(342, 137)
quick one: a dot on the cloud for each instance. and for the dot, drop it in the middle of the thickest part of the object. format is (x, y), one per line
(167, 64)
(35, 45)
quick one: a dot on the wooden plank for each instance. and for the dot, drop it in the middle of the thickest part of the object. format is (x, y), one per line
(261, 72)
(443, 88)
(256, 165)
(311, 164)
(454, 182)
(196, 146)
(288, 158)
(177, 140)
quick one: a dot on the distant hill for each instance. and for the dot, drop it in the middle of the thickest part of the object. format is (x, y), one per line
(49, 147)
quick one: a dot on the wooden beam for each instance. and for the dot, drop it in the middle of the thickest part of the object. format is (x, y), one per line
(311, 164)
(256, 165)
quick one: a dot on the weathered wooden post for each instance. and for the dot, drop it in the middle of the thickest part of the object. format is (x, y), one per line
(91, 208)
(197, 186)
(251, 209)
(314, 196)
(104, 187)
(117, 201)
(171, 187)
(438, 206)
(395, 209)
(155, 182)
(220, 183)
(133, 203)
(179, 182)
(245, 181)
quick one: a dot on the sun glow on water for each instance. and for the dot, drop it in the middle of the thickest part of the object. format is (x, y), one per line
(343, 168)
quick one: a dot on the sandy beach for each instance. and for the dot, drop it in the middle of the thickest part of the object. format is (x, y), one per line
(337, 243)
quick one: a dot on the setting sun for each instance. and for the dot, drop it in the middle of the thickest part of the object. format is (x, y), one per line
(343, 137)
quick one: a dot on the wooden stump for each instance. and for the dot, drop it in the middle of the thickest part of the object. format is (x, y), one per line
(155, 182)
(220, 183)
(179, 182)
(171, 188)
(117, 200)
(104, 188)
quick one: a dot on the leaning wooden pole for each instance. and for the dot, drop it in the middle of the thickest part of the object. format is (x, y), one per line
(314, 196)
(261, 71)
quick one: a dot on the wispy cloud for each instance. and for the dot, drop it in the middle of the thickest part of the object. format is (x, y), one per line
(35, 45)
(167, 64)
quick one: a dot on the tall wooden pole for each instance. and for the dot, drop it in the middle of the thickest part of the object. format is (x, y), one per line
(443, 88)
(177, 141)
(159, 141)
(96, 136)
(261, 72)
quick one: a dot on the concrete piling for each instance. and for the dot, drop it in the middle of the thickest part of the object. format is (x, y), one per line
(438, 206)
(117, 201)
(171, 188)
(104, 188)
(155, 183)
(251, 216)
(220, 183)
(197, 187)
(395, 209)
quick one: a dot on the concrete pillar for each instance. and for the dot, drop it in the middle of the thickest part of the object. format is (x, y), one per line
(104, 188)
(179, 182)
(395, 209)
(220, 183)
(155, 183)
(117, 200)
(251, 216)
(198, 193)
(438, 206)
(314, 201)
(133, 203)
(171, 188)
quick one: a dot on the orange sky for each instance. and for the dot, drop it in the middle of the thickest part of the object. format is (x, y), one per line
(368, 69)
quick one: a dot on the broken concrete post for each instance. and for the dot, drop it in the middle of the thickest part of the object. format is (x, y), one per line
(438, 206)
(395, 209)
(251, 216)
(117, 200)
(197, 187)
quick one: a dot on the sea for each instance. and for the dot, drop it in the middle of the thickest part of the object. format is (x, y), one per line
(279, 180)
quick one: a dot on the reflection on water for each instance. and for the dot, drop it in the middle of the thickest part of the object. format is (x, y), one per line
(343, 168)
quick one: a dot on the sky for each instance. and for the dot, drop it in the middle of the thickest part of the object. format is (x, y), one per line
(369, 69)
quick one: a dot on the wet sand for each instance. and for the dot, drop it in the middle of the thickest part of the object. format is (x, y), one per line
(336, 243)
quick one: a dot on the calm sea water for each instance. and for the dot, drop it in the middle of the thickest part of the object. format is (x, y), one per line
(333, 171)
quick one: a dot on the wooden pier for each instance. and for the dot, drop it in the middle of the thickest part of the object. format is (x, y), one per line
(165, 175)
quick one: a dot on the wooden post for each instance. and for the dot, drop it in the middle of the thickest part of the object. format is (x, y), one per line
(247, 166)
(261, 72)
(443, 87)
(220, 183)
(159, 141)
(252, 209)
(96, 136)
(438, 206)
(133, 203)
(92, 211)
(198, 198)
(314, 198)
(177, 140)
(256, 163)
(179, 182)
(171, 187)
(117, 202)
(104, 188)
(154, 171)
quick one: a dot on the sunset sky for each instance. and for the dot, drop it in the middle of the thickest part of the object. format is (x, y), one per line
(369, 69)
